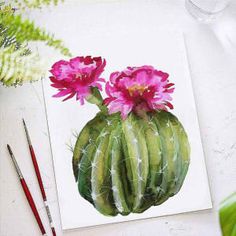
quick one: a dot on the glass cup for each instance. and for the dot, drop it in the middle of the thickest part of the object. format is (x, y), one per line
(206, 10)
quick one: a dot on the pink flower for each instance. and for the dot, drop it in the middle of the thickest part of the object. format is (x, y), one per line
(138, 89)
(77, 76)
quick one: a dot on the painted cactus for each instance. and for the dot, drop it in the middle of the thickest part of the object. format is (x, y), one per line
(128, 166)
(134, 154)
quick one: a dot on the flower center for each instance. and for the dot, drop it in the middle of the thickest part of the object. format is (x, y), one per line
(78, 76)
(137, 88)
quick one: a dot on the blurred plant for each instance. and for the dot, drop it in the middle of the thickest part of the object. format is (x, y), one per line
(35, 3)
(18, 63)
(228, 216)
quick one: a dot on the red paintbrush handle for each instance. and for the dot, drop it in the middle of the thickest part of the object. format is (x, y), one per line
(37, 171)
(36, 167)
(32, 205)
(53, 231)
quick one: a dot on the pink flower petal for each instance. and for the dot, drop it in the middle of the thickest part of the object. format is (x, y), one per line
(76, 76)
(138, 88)
(62, 93)
(70, 96)
(126, 109)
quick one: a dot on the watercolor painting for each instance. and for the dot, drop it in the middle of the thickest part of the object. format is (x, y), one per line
(134, 154)
(124, 130)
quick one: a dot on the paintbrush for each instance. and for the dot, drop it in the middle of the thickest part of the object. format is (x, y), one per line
(40, 182)
(27, 192)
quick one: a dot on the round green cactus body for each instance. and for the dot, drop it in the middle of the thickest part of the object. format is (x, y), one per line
(125, 166)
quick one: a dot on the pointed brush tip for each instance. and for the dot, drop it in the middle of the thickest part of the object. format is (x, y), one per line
(24, 124)
(26, 132)
(9, 148)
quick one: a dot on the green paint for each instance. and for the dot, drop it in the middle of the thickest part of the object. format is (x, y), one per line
(127, 166)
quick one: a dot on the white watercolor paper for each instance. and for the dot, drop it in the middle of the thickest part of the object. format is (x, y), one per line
(136, 47)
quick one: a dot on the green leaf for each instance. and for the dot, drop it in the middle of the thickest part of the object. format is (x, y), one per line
(17, 68)
(228, 216)
(25, 31)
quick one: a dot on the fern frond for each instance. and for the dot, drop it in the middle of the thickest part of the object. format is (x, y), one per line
(36, 3)
(6, 7)
(16, 68)
(17, 63)
(25, 31)
(6, 41)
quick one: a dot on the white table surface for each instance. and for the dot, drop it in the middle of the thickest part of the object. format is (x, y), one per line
(212, 58)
